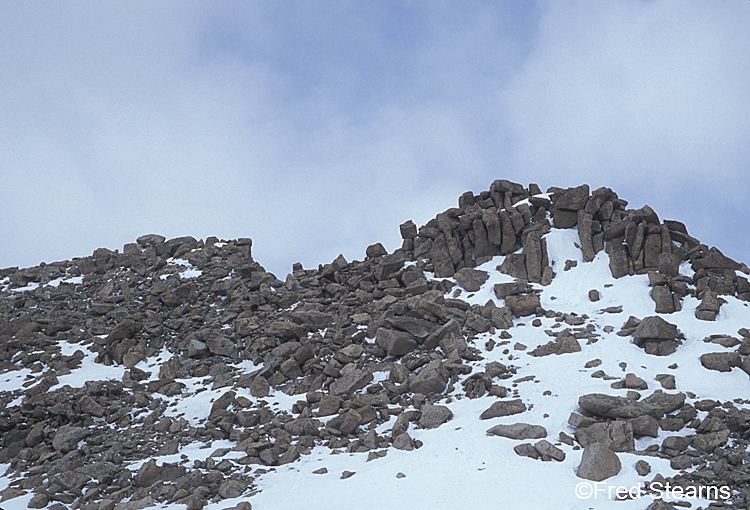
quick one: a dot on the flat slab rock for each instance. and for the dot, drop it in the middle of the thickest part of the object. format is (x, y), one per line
(519, 431)
(609, 406)
(540, 450)
(504, 408)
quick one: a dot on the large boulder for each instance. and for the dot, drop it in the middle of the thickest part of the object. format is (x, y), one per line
(503, 408)
(395, 343)
(471, 279)
(433, 416)
(598, 463)
(431, 379)
(656, 336)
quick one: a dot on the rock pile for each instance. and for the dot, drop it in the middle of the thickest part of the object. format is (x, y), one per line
(355, 342)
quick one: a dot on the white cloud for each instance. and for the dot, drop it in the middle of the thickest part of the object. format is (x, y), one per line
(317, 131)
(645, 97)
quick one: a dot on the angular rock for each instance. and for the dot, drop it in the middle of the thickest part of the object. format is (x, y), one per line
(434, 415)
(598, 463)
(67, 438)
(395, 343)
(503, 408)
(471, 279)
(350, 382)
(721, 361)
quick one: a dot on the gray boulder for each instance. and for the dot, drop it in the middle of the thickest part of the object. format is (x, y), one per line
(433, 416)
(431, 379)
(598, 463)
(519, 431)
(395, 343)
(721, 361)
(504, 408)
(471, 279)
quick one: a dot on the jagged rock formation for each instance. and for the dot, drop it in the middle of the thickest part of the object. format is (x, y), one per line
(356, 343)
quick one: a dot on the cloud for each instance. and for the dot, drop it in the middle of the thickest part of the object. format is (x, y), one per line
(317, 128)
(647, 98)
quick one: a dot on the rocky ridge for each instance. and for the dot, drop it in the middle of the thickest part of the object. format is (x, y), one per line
(365, 351)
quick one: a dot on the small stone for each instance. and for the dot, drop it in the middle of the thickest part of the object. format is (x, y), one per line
(320, 471)
(642, 468)
(347, 474)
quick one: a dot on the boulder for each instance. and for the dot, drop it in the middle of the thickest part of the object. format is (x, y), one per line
(503, 408)
(471, 279)
(434, 415)
(395, 343)
(520, 431)
(523, 305)
(598, 463)
(721, 361)
(431, 379)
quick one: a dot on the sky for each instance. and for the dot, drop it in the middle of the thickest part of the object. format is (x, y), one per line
(317, 127)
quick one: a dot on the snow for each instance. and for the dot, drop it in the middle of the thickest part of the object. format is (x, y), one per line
(459, 466)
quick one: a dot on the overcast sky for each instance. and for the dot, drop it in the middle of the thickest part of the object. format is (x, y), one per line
(316, 128)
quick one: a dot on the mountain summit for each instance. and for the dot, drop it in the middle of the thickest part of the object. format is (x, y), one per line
(522, 350)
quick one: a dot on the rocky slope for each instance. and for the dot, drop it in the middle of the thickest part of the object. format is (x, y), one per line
(179, 372)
